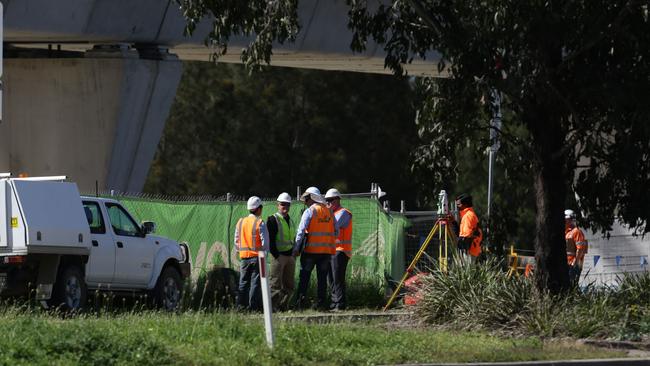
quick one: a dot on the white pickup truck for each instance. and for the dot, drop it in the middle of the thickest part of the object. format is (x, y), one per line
(55, 246)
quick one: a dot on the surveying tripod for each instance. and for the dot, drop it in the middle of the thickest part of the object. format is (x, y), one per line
(441, 226)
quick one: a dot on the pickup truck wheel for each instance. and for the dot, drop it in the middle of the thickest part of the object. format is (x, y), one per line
(70, 289)
(169, 289)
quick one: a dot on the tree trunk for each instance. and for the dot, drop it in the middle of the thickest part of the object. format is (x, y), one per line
(550, 194)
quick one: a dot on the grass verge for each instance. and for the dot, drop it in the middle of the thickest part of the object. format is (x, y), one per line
(151, 338)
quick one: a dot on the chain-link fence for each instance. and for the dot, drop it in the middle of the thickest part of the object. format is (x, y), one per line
(207, 224)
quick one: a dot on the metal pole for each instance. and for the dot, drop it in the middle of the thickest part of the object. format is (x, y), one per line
(298, 192)
(402, 207)
(490, 177)
(495, 127)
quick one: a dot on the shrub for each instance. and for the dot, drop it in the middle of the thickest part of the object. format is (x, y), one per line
(482, 296)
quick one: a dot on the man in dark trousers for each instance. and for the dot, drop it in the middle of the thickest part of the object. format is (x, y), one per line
(576, 246)
(282, 233)
(315, 239)
(343, 254)
(470, 235)
(251, 237)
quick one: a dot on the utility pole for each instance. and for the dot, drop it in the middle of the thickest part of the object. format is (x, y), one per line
(495, 130)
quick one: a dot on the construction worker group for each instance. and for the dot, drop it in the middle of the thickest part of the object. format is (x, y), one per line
(470, 237)
(322, 240)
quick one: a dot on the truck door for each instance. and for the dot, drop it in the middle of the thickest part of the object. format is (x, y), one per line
(134, 253)
(101, 263)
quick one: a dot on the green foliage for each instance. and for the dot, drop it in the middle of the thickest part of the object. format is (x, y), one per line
(450, 156)
(484, 297)
(264, 21)
(230, 132)
(151, 338)
(570, 73)
(573, 74)
(473, 296)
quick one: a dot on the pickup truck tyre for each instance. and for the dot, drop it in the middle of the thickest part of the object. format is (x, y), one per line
(169, 289)
(70, 289)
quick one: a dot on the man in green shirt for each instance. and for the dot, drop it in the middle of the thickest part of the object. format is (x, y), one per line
(282, 233)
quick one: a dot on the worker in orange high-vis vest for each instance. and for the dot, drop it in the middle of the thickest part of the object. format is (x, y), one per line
(576, 245)
(251, 237)
(343, 254)
(315, 243)
(470, 235)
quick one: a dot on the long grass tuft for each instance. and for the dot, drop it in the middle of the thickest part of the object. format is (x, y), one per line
(482, 296)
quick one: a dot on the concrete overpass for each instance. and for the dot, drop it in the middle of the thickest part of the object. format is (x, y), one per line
(88, 84)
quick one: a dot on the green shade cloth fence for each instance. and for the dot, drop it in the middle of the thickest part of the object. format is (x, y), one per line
(208, 228)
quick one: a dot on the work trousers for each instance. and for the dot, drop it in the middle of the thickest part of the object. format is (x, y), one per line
(249, 294)
(283, 270)
(336, 277)
(574, 274)
(322, 263)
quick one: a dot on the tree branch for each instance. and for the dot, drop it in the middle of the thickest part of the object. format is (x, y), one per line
(615, 26)
(422, 12)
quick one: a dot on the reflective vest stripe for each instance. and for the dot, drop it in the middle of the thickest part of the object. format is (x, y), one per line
(286, 234)
(321, 245)
(321, 234)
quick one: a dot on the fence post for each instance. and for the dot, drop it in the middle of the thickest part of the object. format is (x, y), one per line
(228, 197)
(402, 206)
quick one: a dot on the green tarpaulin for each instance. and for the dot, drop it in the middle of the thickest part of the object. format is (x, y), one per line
(208, 228)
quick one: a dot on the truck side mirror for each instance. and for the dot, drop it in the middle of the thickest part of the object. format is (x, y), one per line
(148, 227)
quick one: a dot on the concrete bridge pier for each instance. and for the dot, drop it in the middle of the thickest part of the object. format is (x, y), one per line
(93, 116)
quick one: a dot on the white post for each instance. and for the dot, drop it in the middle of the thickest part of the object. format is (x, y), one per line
(266, 299)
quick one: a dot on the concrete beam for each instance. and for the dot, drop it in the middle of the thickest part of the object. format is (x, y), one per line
(97, 118)
(323, 42)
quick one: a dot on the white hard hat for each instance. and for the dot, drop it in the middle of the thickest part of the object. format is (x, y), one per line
(314, 193)
(333, 193)
(284, 197)
(253, 203)
(310, 190)
(569, 214)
